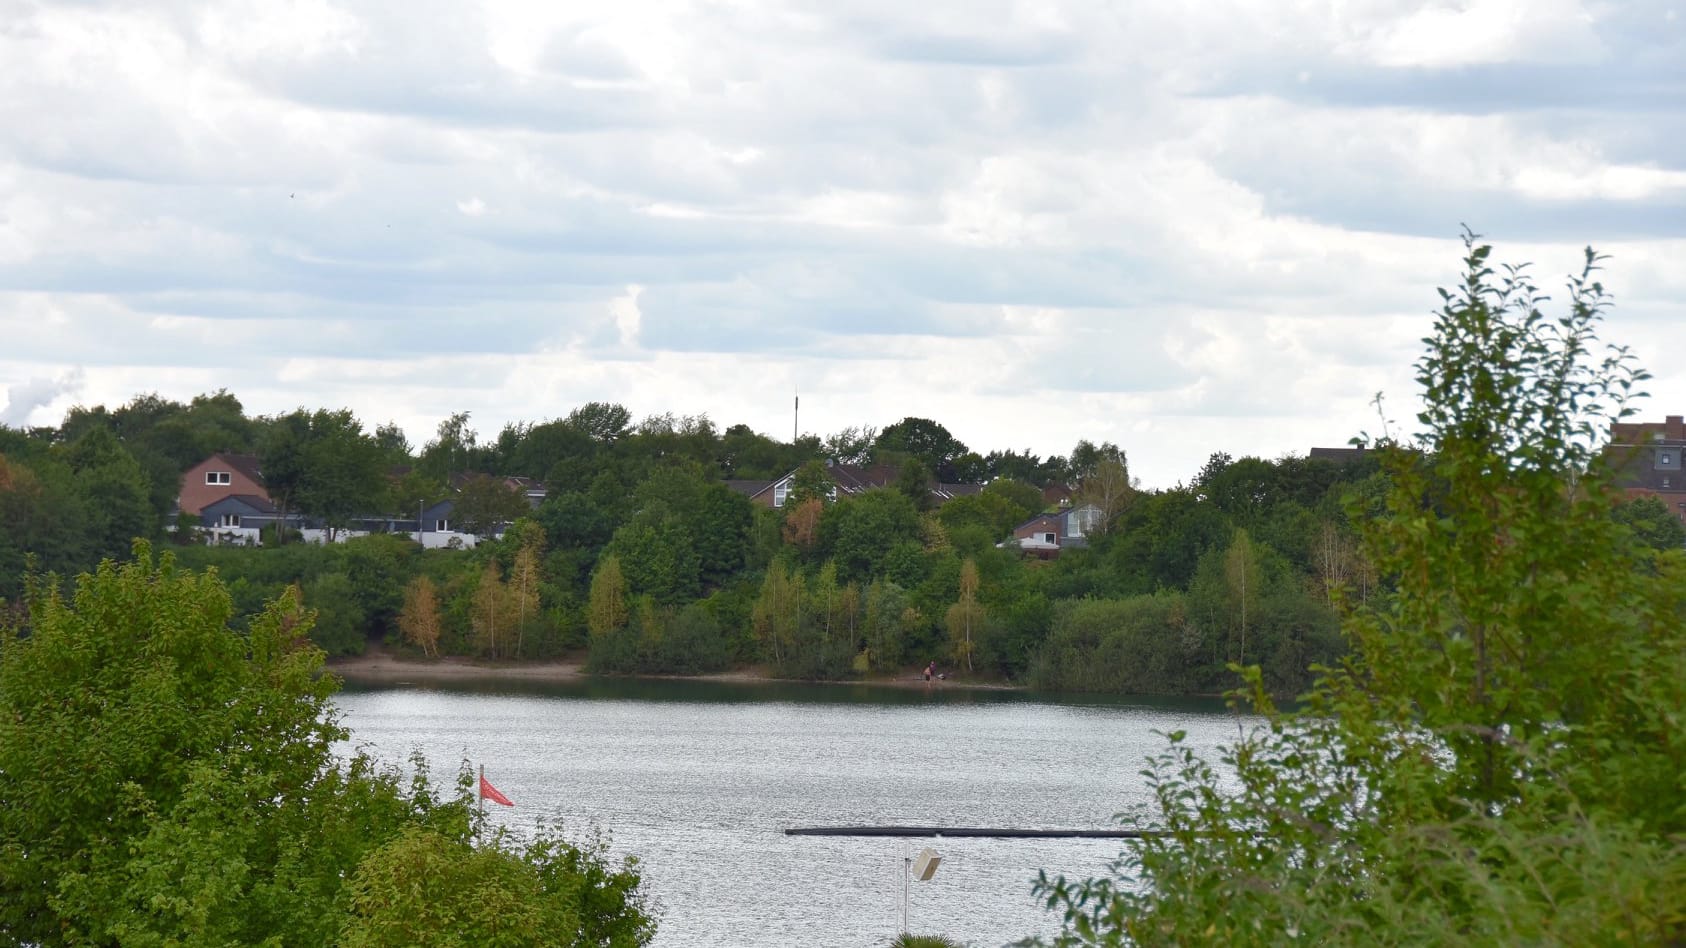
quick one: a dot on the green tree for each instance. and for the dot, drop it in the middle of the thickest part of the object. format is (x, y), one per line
(607, 610)
(492, 612)
(1498, 761)
(1653, 524)
(113, 490)
(1107, 486)
(921, 440)
(484, 503)
(966, 616)
(777, 616)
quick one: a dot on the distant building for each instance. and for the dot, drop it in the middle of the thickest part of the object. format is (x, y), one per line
(1337, 455)
(1646, 458)
(218, 476)
(1045, 535)
(848, 480)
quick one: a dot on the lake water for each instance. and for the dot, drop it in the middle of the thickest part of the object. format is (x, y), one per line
(699, 779)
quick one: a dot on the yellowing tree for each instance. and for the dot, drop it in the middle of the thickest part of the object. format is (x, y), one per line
(419, 620)
(606, 610)
(966, 616)
(490, 610)
(524, 584)
(778, 612)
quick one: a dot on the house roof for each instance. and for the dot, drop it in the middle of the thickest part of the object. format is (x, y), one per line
(749, 488)
(1337, 455)
(245, 503)
(246, 464)
(853, 479)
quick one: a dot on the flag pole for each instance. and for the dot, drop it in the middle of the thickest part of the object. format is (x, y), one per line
(480, 797)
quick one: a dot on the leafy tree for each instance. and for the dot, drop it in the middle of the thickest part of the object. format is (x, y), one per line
(524, 578)
(1107, 486)
(1241, 577)
(921, 440)
(492, 611)
(603, 422)
(777, 616)
(452, 451)
(965, 617)
(1498, 761)
(339, 624)
(113, 491)
(485, 502)
(860, 532)
(420, 621)
(1653, 524)
(607, 611)
(322, 464)
(802, 523)
(852, 445)
(812, 481)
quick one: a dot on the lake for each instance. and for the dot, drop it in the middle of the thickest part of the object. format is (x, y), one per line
(699, 779)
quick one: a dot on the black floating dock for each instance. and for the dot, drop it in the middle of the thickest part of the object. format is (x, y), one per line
(973, 832)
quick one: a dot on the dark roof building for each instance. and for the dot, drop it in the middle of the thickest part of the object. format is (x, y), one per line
(1646, 458)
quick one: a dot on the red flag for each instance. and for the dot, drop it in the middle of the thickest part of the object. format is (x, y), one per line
(489, 792)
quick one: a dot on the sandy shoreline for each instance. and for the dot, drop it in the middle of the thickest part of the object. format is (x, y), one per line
(382, 667)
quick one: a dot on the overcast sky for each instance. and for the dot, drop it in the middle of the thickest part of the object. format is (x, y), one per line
(1182, 227)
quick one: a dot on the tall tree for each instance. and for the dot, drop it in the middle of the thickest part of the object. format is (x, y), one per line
(419, 621)
(490, 611)
(777, 614)
(965, 617)
(1241, 574)
(524, 578)
(922, 440)
(1499, 759)
(607, 610)
(113, 490)
(484, 503)
(1107, 485)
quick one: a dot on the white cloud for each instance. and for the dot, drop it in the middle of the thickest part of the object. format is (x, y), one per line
(1187, 228)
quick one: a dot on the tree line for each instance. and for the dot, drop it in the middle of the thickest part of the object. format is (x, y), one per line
(644, 559)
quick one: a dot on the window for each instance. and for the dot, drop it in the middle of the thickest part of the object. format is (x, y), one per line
(229, 520)
(1665, 483)
(218, 477)
(1047, 538)
(442, 526)
(1665, 459)
(781, 490)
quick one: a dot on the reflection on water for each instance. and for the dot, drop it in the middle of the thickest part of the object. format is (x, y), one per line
(700, 778)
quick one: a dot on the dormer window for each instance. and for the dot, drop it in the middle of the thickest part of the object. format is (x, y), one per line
(781, 490)
(218, 478)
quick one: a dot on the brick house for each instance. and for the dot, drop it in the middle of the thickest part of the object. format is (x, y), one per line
(1045, 535)
(1647, 457)
(219, 476)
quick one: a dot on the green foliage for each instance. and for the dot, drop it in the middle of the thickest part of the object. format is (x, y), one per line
(1653, 525)
(169, 781)
(484, 503)
(1498, 760)
(501, 893)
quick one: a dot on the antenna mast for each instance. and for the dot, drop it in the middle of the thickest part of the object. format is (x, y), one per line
(795, 415)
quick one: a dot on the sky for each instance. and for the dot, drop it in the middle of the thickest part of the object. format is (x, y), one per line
(1180, 227)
